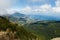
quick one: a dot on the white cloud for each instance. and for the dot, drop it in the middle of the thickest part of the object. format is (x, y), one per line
(2, 11)
(27, 9)
(11, 11)
(4, 4)
(45, 9)
(57, 2)
(56, 9)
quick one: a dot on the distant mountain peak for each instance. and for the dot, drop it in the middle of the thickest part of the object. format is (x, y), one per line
(17, 13)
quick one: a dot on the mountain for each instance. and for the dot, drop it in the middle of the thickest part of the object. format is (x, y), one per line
(23, 18)
(18, 15)
(43, 17)
(14, 31)
(19, 18)
(44, 30)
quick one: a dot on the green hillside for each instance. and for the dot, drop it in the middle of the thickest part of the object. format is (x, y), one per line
(14, 31)
(40, 30)
(48, 29)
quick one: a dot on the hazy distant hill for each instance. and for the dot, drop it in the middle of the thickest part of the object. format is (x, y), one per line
(43, 17)
(20, 18)
(23, 18)
(18, 15)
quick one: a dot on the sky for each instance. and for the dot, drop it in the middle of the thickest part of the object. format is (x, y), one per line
(41, 7)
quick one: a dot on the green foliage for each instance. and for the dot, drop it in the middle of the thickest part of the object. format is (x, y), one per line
(50, 29)
(4, 23)
(41, 30)
(21, 33)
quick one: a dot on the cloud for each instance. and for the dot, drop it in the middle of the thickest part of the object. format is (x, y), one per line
(56, 9)
(37, 9)
(2, 11)
(27, 9)
(45, 9)
(5, 4)
(57, 2)
(11, 10)
(24, 10)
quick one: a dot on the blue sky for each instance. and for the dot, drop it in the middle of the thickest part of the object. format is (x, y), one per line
(23, 3)
(42, 7)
